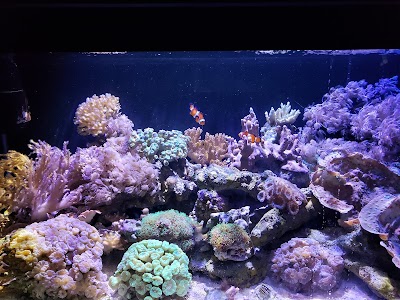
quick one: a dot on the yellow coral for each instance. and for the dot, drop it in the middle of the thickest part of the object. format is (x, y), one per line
(93, 115)
(212, 150)
(24, 243)
(14, 169)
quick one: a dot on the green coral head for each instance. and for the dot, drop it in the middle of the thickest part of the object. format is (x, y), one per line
(152, 269)
(165, 146)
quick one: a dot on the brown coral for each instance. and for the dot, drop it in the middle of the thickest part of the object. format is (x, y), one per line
(14, 169)
(281, 194)
(212, 150)
(93, 115)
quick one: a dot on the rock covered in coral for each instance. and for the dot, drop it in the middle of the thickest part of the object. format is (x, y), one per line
(152, 269)
(304, 265)
(240, 217)
(56, 259)
(237, 273)
(230, 242)
(275, 223)
(208, 203)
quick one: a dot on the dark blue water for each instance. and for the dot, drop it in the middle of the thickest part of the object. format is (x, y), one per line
(155, 89)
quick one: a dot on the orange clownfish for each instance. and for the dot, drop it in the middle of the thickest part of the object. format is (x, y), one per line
(197, 115)
(249, 137)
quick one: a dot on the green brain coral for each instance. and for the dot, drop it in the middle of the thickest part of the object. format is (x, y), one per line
(169, 225)
(152, 269)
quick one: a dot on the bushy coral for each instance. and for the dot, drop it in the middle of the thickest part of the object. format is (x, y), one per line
(304, 265)
(93, 115)
(14, 170)
(379, 123)
(365, 112)
(212, 150)
(152, 269)
(230, 242)
(105, 172)
(56, 259)
(52, 172)
(169, 225)
(164, 146)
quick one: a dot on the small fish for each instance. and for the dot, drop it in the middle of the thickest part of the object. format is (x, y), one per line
(196, 114)
(24, 117)
(352, 222)
(249, 137)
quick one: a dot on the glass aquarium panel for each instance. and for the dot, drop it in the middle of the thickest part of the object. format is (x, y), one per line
(231, 175)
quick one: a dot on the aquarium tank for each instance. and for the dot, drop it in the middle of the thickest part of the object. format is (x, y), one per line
(200, 175)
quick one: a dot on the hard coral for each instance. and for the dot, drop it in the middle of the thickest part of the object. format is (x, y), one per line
(56, 259)
(152, 269)
(304, 265)
(212, 150)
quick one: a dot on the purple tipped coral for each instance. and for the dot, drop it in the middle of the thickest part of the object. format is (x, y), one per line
(304, 265)
(56, 259)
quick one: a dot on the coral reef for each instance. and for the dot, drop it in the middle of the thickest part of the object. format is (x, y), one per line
(152, 269)
(58, 259)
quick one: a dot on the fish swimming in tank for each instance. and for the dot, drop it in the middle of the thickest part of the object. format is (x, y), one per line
(197, 115)
(141, 212)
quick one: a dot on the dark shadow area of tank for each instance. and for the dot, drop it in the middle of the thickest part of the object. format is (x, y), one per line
(155, 88)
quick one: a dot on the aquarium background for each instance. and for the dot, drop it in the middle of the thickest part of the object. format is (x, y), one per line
(155, 88)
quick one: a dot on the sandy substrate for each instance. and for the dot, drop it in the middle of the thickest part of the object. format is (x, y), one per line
(203, 288)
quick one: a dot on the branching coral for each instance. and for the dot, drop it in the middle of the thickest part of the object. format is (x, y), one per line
(284, 115)
(304, 265)
(152, 269)
(46, 184)
(212, 150)
(56, 259)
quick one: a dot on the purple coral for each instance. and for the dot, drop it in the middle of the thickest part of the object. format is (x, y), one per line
(59, 259)
(304, 265)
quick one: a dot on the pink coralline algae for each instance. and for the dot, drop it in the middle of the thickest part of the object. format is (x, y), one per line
(304, 265)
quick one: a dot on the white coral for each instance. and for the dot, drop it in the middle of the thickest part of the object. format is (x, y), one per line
(284, 115)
